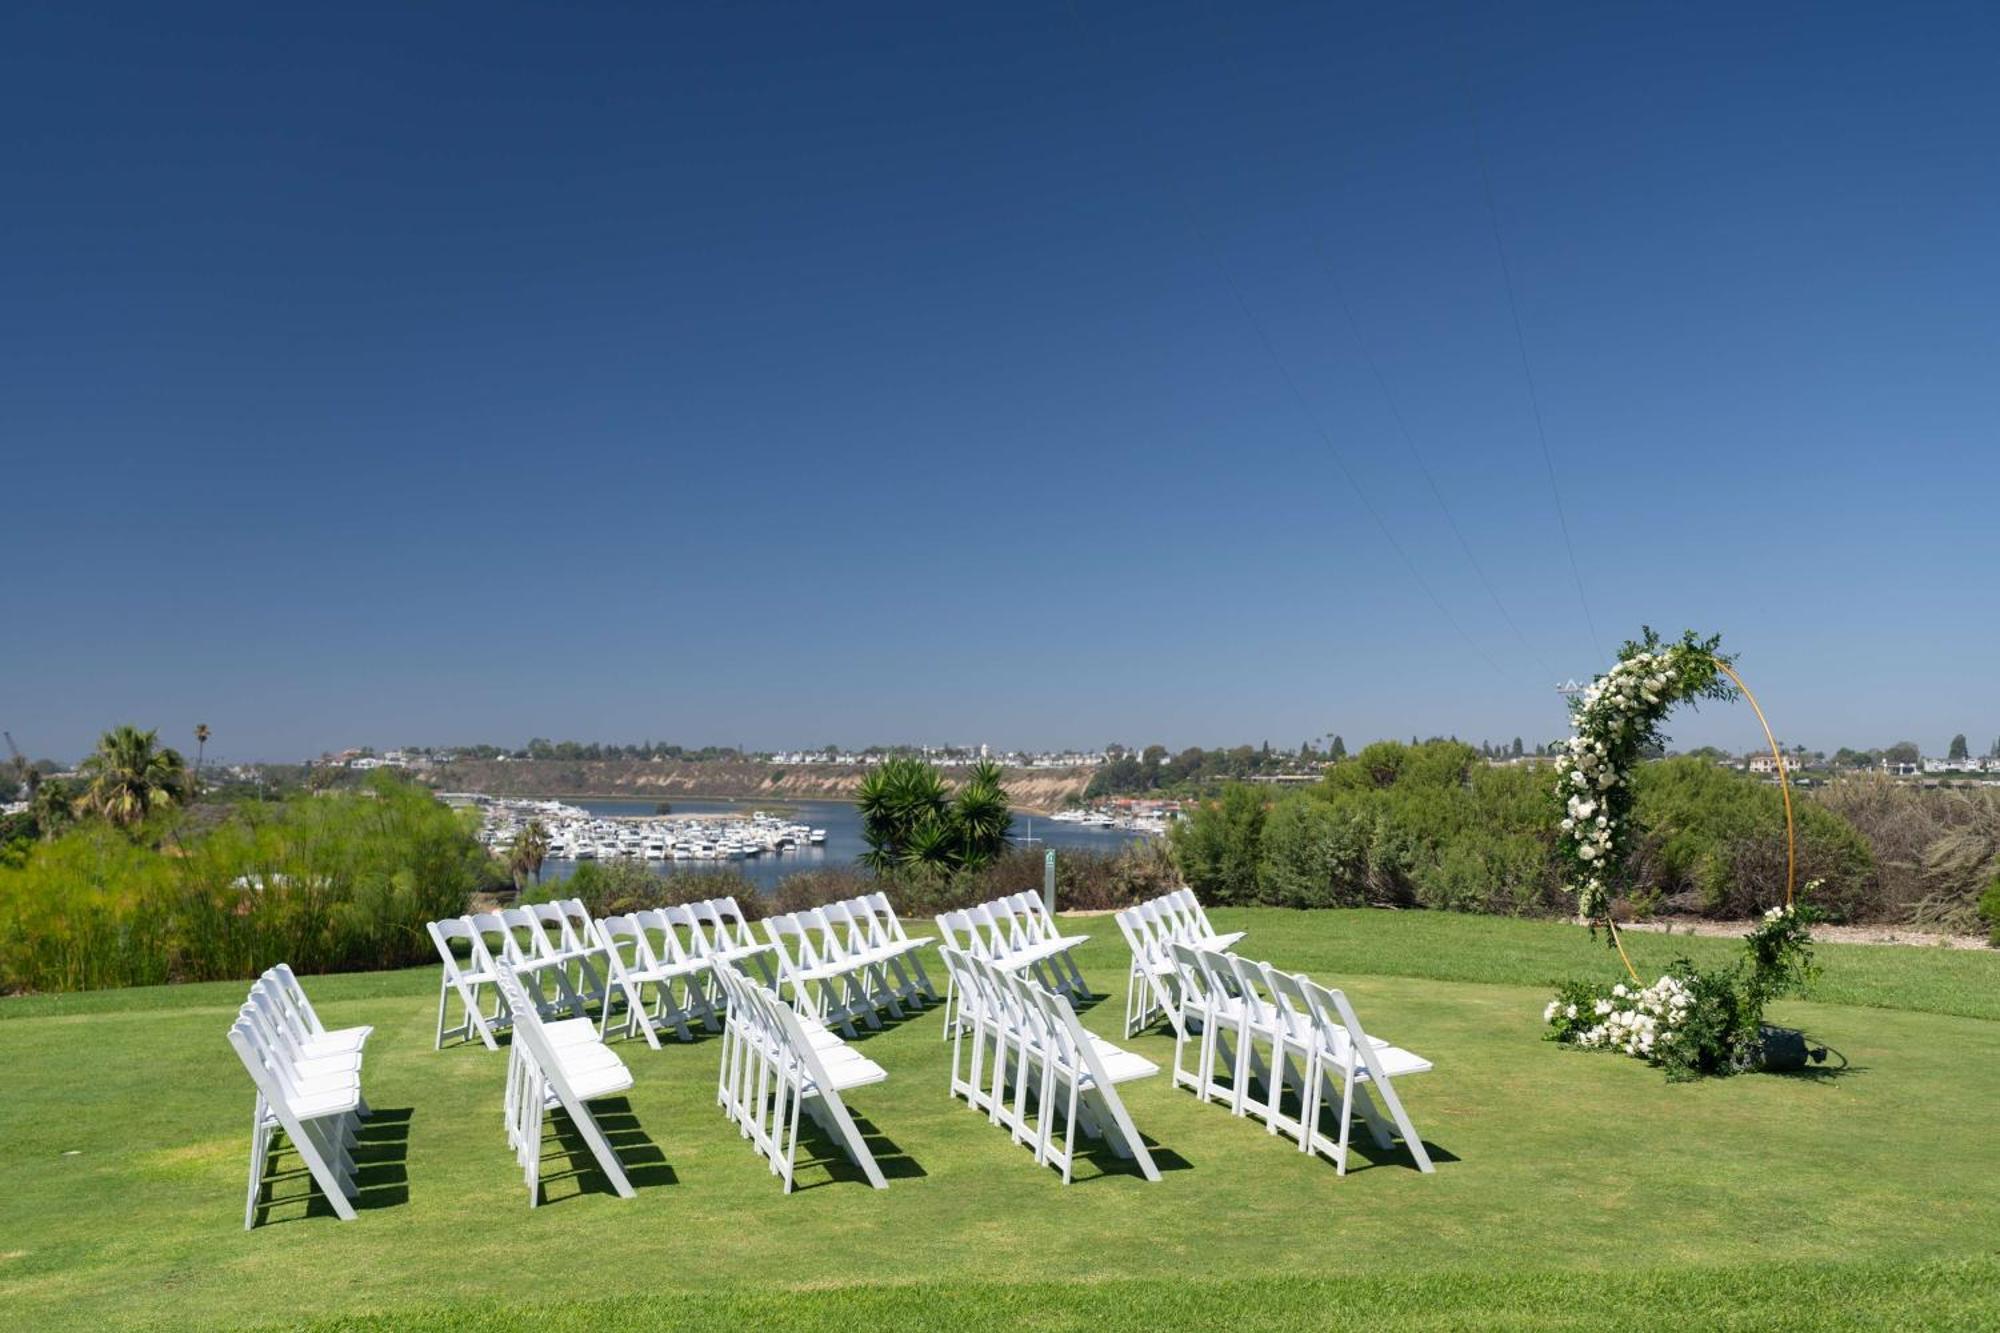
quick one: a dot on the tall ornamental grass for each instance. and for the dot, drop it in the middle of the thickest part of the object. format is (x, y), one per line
(327, 883)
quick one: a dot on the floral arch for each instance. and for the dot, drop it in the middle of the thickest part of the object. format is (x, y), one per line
(1615, 720)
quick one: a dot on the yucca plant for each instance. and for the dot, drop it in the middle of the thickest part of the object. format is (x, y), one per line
(914, 826)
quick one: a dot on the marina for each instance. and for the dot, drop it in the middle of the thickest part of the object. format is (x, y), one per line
(762, 843)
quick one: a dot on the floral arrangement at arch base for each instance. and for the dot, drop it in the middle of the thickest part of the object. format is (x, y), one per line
(1690, 1022)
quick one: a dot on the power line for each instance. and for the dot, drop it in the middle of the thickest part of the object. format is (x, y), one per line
(1521, 342)
(1305, 404)
(1409, 442)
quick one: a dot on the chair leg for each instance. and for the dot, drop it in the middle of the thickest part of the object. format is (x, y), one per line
(260, 1143)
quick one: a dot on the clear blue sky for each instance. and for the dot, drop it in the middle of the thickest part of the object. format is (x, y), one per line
(784, 375)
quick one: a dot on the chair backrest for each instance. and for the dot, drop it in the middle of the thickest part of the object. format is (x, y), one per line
(793, 941)
(1339, 1029)
(735, 922)
(1140, 940)
(530, 1038)
(1196, 991)
(1218, 972)
(990, 935)
(959, 968)
(883, 911)
(1012, 929)
(662, 926)
(1035, 911)
(1294, 1010)
(555, 924)
(524, 928)
(615, 933)
(846, 928)
(1191, 906)
(1162, 922)
(257, 1060)
(494, 936)
(1252, 986)
(956, 927)
(295, 996)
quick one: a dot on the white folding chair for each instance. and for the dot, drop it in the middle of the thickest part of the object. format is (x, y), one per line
(1351, 1063)
(777, 1065)
(465, 979)
(878, 906)
(544, 1074)
(316, 1100)
(629, 978)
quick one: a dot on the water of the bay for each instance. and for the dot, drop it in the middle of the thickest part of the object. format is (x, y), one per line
(842, 822)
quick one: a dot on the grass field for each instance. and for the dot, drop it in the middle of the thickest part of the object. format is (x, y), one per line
(1573, 1190)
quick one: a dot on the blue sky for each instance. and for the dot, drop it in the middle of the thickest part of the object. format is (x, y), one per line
(784, 375)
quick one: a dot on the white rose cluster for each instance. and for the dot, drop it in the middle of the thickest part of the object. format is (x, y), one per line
(1611, 716)
(1635, 1022)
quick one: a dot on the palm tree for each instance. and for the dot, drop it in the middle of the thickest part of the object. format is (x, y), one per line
(527, 852)
(53, 806)
(200, 747)
(131, 775)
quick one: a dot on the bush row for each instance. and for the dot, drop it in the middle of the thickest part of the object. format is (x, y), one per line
(1432, 825)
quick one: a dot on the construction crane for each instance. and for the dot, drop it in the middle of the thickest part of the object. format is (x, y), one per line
(29, 777)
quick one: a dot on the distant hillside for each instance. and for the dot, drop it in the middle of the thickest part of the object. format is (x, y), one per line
(1037, 789)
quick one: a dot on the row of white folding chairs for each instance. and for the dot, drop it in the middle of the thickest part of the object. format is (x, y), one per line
(308, 1082)
(554, 932)
(778, 1063)
(1014, 934)
(554, 1063)
(1148, 928)
(667, 950)
(849, 961)
(1020, 1054)
(564, 931)
(1251, 1022)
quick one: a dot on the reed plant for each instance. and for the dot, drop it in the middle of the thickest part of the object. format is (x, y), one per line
(328, 883)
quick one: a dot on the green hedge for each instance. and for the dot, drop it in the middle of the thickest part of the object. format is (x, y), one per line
(1433, 825)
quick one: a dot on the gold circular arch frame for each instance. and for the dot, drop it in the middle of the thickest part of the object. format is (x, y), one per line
(1791, 828)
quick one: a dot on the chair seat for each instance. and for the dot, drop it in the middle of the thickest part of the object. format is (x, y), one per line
(335, 1043)
(1395, 1061)
(593, 1083)
(570, 1031)
(1122, 1066)
(850, 1073)
(327, 1067)
(314, 1103)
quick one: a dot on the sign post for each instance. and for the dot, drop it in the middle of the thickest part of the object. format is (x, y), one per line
(1049, 880)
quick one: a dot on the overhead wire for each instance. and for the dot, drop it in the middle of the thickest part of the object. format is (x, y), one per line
(1311, 414)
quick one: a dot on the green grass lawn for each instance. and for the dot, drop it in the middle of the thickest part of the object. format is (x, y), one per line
(1573, 1190)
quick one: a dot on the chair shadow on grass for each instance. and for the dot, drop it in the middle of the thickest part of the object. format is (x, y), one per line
(570, 1170)
(821, 1152)
(381, 1172)
(1106, 1164)
(1363, 1152)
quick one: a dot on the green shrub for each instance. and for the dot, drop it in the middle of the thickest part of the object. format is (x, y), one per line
(1220, 845)
(1989, 907)
(1720, 835)
(1313, 855)
(326, 883)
